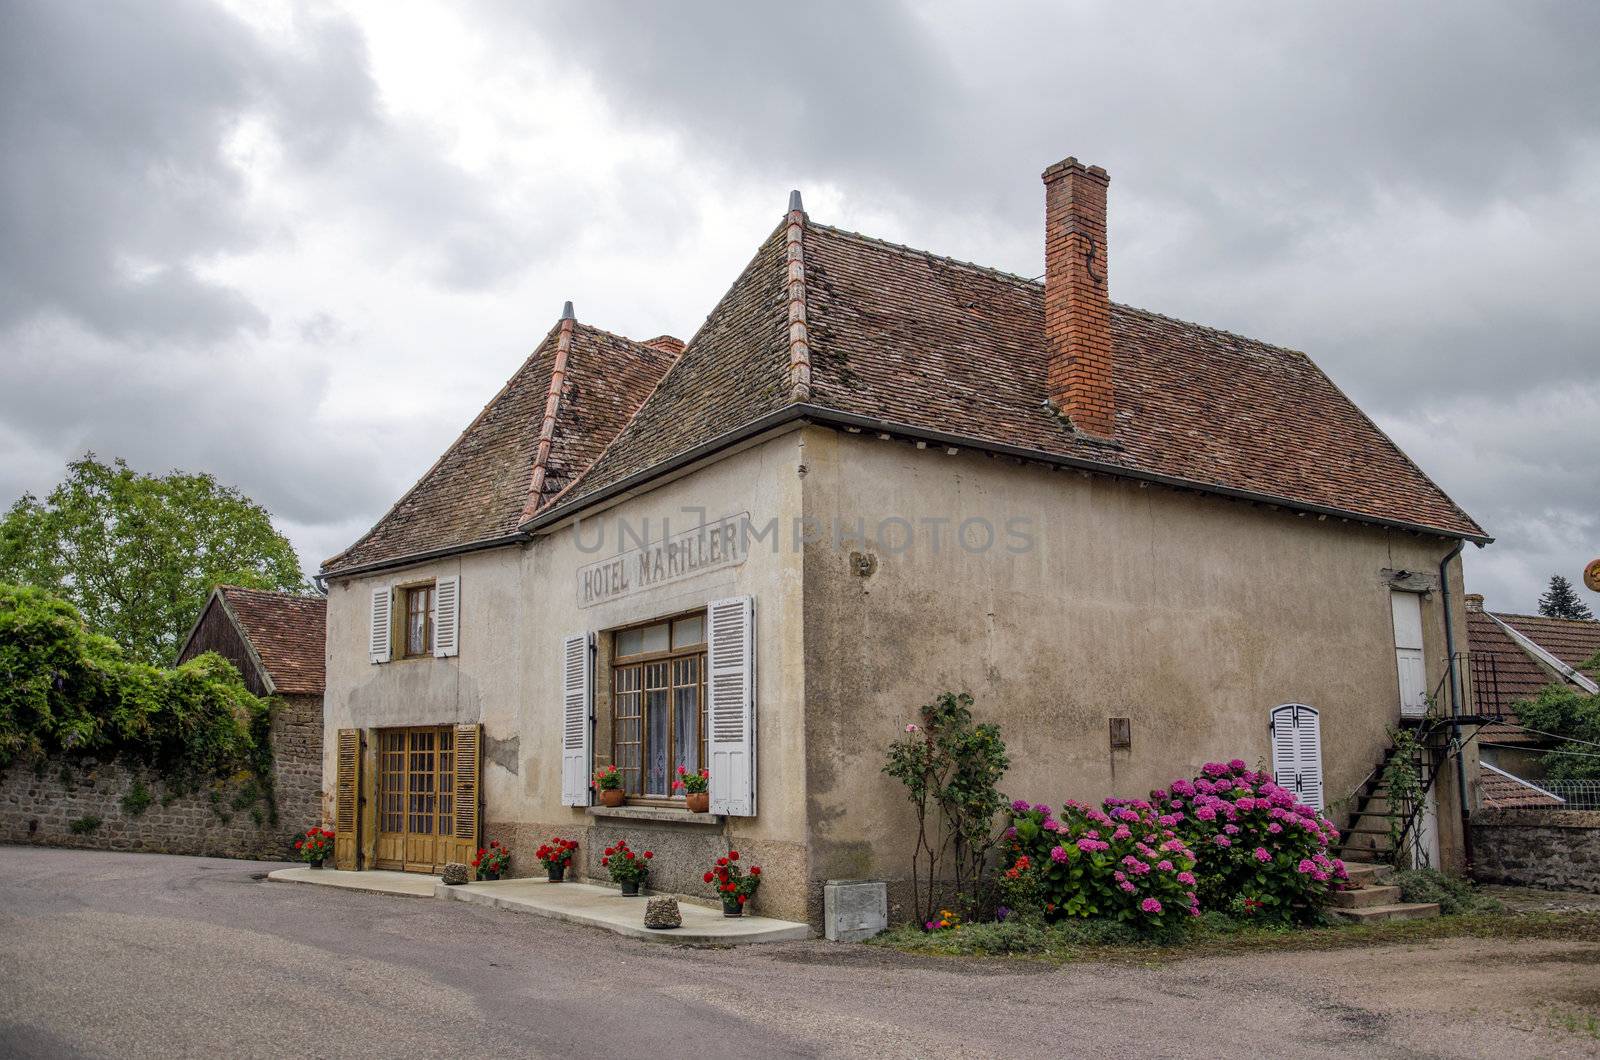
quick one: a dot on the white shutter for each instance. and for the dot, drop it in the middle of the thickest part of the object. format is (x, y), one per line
(1406, 609)
(446, 617)
(731, 705)
(381, 633)
(577, 707)
(1297, 751)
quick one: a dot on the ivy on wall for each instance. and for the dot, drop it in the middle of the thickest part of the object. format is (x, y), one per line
(65, 691)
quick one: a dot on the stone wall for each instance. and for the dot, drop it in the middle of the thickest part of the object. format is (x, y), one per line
(1559, 849)
(94, 804)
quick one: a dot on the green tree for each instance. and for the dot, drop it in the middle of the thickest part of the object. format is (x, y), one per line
(1561, 601)
(137, 555)
(1575, 715)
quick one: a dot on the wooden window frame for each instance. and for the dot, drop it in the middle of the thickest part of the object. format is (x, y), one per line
(618, 687)
(400, 607)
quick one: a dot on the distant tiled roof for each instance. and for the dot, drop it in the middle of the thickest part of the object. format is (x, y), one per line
(1498, 790)
(908, 338)
(288, 633)
(478, 489)
(1503, 674)
(1574, 641)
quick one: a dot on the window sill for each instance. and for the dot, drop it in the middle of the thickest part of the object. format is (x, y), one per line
(659, 815)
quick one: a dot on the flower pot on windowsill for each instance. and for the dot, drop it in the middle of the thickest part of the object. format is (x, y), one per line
(611, 797)
(555, 873)
(731, 906)
(698, 801)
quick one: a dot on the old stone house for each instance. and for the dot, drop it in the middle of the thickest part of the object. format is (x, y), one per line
(873, 474)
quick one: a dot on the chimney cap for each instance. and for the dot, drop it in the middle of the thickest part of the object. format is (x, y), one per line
(1071, 164)
(567, 313)
(1474, 601)
(794, 202)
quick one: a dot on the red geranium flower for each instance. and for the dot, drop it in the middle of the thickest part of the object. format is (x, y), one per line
(755, 870)
(722, 861)
(733, 855)
(708, 877)
(741, 899)
(648, 854)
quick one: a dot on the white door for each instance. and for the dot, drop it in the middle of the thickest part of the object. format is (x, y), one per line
(1297, 751)
(1407, 611)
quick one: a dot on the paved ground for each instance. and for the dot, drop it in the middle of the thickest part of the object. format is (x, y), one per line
(134, 955)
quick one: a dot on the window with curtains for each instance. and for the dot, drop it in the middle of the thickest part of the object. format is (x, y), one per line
(417, 635)
(658, 703)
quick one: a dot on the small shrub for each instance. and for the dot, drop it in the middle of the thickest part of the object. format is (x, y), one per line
(1454, 894)
(315, 846)
(137, 800)
(733, 883)
(1122, 861)
(624, 865)
(1260, 852)
(84, 825)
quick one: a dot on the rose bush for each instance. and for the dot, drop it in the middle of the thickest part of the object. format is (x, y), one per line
(1123, 860)
(1259, 850)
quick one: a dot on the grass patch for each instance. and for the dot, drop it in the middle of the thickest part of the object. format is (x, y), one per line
(83, 825)
(1215, 935)
(1454, 894)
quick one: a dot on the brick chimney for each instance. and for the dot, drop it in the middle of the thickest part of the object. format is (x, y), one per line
(1474, 601)
(1077, 304)
(665, 343)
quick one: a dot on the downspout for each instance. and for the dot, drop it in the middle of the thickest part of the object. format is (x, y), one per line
(1455, 700)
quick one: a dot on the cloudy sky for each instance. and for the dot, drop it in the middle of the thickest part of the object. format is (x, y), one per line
(299, 246)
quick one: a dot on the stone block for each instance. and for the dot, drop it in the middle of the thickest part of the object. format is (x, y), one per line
(661, 912)
(456, 873)
(854, 910)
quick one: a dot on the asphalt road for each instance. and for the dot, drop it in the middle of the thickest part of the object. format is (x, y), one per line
(129, 955)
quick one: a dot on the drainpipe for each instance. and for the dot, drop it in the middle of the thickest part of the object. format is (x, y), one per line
(1455, 699)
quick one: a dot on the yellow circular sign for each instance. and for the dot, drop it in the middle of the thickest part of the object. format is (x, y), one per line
(1591, 576)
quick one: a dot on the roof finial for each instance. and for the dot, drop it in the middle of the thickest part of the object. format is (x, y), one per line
(794, 201)
(567, 313)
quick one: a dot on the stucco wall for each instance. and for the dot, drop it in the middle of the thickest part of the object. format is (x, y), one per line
(517, 604)
(1559, 849)
(1193, 616)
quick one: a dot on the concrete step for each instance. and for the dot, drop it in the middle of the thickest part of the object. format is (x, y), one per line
(1366, 897)
(1362, 873)
(1377, 913)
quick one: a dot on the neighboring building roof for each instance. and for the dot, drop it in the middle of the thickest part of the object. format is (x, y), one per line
(284, 636)
(899, 337)
(1499, 790)
(1504, 673)
(478, 490)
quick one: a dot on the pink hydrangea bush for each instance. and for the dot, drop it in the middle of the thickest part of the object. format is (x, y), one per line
(1123, 860)
(1257, 847)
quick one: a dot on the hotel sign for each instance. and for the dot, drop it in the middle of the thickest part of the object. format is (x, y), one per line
(710, 547)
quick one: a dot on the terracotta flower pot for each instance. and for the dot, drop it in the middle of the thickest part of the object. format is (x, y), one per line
(611, 796)
(698, 801)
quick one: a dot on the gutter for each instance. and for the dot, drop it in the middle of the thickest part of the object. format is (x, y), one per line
(1455, 700)
(811, 413)
(414, 558)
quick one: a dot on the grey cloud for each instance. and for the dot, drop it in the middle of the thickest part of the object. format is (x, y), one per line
(115, 184)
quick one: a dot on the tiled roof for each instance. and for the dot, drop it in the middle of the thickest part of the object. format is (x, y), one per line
(1575, 642)
(1501, 791)
(478, 489)
(929, 343)
(288, 633)
(1503, 673)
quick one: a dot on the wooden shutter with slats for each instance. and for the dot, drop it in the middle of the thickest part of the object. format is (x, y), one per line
(468, 792)
(347, 799)
(447, 617)
(577, 712)
(730, 704)
(1297, 751)
(380, 631)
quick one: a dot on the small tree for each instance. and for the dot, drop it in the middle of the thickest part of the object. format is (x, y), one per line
(1561, 601)
(951, 766)
(1571, 713)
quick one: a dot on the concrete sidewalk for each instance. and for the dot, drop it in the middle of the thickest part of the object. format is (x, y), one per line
(409, 884)
(603, 907)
